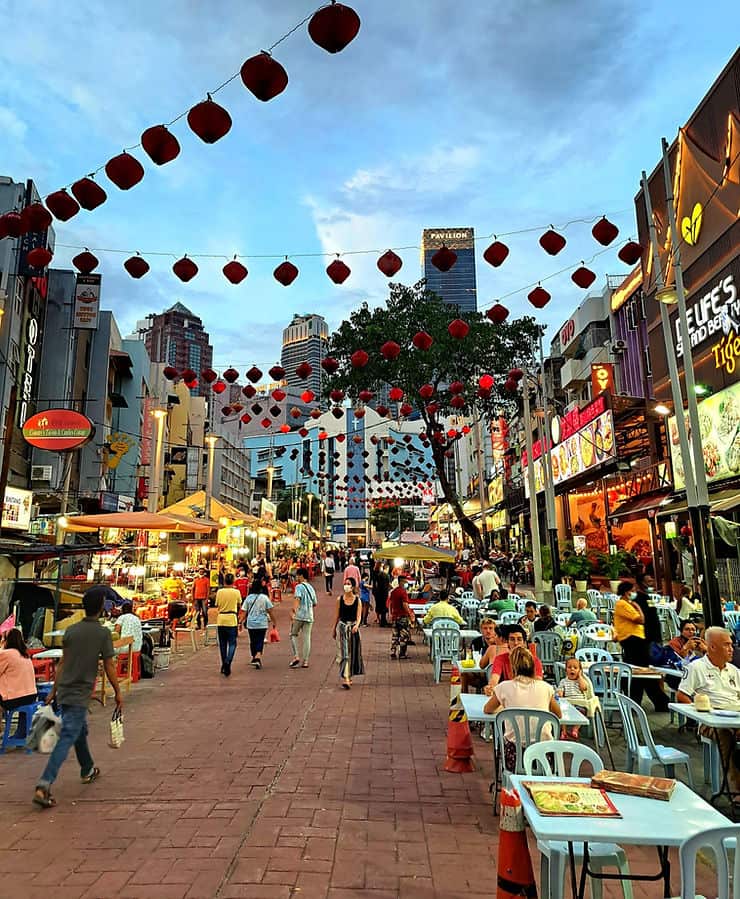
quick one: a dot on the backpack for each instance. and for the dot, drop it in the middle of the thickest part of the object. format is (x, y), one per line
(146, 660)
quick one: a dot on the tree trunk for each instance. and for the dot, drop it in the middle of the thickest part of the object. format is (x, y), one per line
(468, 526)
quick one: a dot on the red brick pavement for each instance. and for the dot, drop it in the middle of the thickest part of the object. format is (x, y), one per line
(272, 784)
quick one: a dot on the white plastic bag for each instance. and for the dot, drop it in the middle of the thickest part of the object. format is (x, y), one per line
(116, 730)
(44, 720)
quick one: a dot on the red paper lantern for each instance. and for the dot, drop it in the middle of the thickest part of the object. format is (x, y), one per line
(124, 170)
(277, 372)
(304, 370)
(249, 391)
(189, 375)
(62, 206)
(359, 359)
(390, 350)
(329, 365)
(246, 418)
(219, 386)
(395, 394)
(516, 374)
(160, 144)
(357, 439)
(456, 387)
(457, 401)
(303, 432)
(426, 391)
(191, 385)
(338, 271)
(209, 121)
(230, 375)
(136, 266)
(39, 257)
(366, 395)
(285, 429)
(406, 409)
(552, 242)
(323, 435)
(458, 329)
(285, 273)
(432, 409)
(486, 381)
(497, 313)
(604, 231)
(359, 413)
(307, 396)
(539, 297)
(583, 277)
(208, 375)
(422, 341)
(496, 253)
(452, 433)
(483, 392)
(444, 259)
(333, 27)
(254, 374)
(88, 193)
(630, 252)
(382, 411)
(237, 407)
(390, 263)
(295, 412)
(35, 217)
(266, 422)
(510, 385)
(170, 373)
(234, 272)
(85, 262)
(337, 412)
(185, 269)
(264, 76)
(465, 430)
(315, 413)
(337, 395)
(11, 224)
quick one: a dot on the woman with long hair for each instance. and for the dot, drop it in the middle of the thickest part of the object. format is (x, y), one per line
(257, 609)
(347, 632)
(17, 678)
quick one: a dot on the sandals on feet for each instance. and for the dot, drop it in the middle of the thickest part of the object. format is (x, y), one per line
(43, 797)
(93, 775)
(295, 663)
(304, 665)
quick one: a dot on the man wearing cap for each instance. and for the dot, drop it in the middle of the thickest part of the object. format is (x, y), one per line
(401, 617)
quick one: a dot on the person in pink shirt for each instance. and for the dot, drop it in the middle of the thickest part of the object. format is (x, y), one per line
(17, 678)
(352, 571)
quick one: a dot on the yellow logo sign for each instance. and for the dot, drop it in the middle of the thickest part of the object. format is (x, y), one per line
(727, 352)
(691, 227)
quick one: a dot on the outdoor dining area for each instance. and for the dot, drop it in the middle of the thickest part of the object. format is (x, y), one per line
(665, 781)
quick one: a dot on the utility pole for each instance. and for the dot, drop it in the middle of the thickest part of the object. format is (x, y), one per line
(480, 456)
(534, 522)
(552, 524)
(155, 483)
(211, 441)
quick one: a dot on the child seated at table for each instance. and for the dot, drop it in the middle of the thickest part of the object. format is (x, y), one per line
(576, 688)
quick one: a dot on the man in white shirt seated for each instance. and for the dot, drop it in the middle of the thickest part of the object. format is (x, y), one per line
(129, 625)
(485, 582)
(716, 677)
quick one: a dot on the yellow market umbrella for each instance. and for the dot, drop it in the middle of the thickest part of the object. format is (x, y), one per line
(136, 521)
(415, 552)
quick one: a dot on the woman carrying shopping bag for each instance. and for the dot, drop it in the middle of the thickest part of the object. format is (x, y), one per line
(258, 610)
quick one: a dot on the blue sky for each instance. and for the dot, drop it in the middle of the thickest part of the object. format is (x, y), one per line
(499, 116)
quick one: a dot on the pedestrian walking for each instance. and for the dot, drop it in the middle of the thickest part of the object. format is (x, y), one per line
(302, 618)
(84, 644)
(381, 586)
(365, 600)
(227, 602)
(201, 594)
(347, 633)
(258, 611)
(401, 619)
(328, 567)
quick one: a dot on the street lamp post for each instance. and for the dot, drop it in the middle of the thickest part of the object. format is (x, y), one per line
(552, 524)
(211, 441)
(155, 480)
(534, 522)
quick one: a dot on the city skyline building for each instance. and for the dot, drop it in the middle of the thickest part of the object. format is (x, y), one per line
(458, 286)
(305, 340)
(177, 337)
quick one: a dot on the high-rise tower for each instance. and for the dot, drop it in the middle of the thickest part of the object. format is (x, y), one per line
(305, 340)
(177, 337)
(457, 287)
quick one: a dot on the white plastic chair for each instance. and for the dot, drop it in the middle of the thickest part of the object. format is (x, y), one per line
(563, 594)
(469, 611)
(466, 594)
(594, 599)
(548, 758)
(719, 840)
(445, 646)
(593, 654)
(647, 756)
(527, 726)
(549, 648)
(509, 617)
(610, 679)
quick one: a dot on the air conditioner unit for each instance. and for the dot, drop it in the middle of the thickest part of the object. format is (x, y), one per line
(41, 472)
(619, 346)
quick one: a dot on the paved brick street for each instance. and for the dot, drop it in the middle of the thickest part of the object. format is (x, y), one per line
(275, 783)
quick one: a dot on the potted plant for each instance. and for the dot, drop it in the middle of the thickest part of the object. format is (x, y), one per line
(546, 568)
(615, 566)
(579, 567)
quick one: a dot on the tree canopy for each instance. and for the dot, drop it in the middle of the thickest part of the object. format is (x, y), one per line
(387, 519)
(438, 382)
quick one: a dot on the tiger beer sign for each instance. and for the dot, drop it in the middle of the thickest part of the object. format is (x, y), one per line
(58, 430)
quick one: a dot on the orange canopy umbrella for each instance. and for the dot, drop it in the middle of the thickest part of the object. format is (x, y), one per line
(136, 521)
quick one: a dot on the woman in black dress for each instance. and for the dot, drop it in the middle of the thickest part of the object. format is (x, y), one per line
(347, 633)
(381, 587)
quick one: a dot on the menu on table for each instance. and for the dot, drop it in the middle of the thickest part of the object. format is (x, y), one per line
(555, 798)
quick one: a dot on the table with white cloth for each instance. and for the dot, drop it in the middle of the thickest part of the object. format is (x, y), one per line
(642, 822)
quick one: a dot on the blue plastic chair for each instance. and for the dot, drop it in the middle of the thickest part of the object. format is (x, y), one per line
(22, 716)
(720, 840)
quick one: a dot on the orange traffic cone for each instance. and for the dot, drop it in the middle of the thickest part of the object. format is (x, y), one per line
(515, 876)
(459, 742)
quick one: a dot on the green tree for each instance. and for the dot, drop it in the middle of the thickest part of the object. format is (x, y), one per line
(285, 508)
(387, 519)
(487, 349)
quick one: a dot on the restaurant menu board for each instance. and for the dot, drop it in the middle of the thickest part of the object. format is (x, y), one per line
(557, 799)
(719, 425)
(587, 448)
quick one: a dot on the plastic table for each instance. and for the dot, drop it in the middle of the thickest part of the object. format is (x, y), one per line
(49, 654)
(643, 822)
(719, 722)
(473, 704)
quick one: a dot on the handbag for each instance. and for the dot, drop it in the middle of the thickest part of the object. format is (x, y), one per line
(273, 636)
(116, 730)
